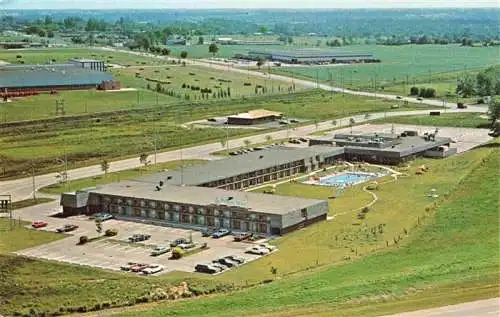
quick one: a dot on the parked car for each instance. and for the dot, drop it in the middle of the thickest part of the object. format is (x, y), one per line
(212, 120)
(227, 262)
(236, 258)
(399, 97)
(268, 246)
(102, 216)
(153, 269)
(39, 224)
(294, 121)
(207, 232)
(139, 237)
(176, 242)
(67, 228)
(257, 250)
(159, 251)
(128, 266)
(233, 153)
(420, 98)
(302, 139)
(461, 105)
(138, 267)
(222, 267)
(186, 246)
(242, 236)
(220, 233)
(206, 268)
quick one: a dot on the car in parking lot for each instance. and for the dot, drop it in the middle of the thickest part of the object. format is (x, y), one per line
(153, 268)
(221, 266)
(302, 139)
(176, 242)
(138, 237)
(102, 216)
(242, 236)
(207, 268)
(257, 250)
(271, 248)
(212, 120)
(207, 232)
(159, 251)
(236, 258)
(39, 224)
(138, 267)
(186, 246)
(220, 233)
(227, 262)
(128, 266)
(67, 228)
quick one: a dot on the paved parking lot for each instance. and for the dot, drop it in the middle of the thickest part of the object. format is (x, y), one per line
(111, 253)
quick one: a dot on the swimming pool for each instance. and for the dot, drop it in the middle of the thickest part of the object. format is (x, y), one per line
(344, 179)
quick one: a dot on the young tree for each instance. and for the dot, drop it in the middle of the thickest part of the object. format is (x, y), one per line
(414, 91)
(334, 122)
(201, 40)
(223, 142)
(184, 54)
(494, 112)
(351, 123)
(98, 226)
(269, 138)
(260, 62)
(367, 116)
(213, 48)
(105, 167)
(247, 142)
(466, 86)
(143, 158)
(274, 271)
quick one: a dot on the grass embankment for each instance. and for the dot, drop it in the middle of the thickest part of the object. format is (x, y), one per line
(462, 120)
(30, 202)
(33, 287)
(89, 141)
(451, 256)
(116, 176)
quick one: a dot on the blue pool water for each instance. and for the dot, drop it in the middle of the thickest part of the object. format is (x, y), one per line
(345, 179)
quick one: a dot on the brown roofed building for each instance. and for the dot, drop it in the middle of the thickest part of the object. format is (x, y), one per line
(251, 117)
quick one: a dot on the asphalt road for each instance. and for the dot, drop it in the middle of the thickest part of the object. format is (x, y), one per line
(481, 308)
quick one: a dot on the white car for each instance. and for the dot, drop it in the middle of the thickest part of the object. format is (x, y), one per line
(154, 268)
(257, 250)
(271, 248)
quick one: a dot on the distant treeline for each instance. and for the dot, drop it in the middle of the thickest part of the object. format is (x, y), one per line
(395, 27)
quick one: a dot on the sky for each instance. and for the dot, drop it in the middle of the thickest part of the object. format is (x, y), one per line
(212, 4)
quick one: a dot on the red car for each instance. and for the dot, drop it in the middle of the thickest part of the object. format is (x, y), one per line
(39, 224)
(139, 267)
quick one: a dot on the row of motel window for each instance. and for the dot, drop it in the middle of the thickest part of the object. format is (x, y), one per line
(237, 221)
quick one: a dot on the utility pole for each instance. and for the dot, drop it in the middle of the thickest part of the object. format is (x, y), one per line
(66, 169)
(33, 179)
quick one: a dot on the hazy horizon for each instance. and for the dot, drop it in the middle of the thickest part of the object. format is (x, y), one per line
(249, 4)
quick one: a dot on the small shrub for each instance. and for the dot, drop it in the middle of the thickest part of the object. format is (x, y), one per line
(192, 74)
(83, 240)
(19, 56)
(247, 84)
(177, 253)
(111, 232)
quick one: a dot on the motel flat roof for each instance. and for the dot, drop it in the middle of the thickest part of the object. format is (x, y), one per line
(14, 76)
(241, 164)
(204, 196)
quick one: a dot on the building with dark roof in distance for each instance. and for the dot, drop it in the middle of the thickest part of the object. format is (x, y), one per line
(312, 56)
(50, 77)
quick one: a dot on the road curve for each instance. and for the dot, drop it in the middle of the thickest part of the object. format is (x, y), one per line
(481, 308)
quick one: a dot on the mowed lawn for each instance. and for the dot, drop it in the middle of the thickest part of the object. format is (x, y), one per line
(62, 55)
(464, 120)
(421, 63)
(453, 253)
(79, 102)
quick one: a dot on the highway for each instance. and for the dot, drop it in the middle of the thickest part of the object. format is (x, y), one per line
(481, 308)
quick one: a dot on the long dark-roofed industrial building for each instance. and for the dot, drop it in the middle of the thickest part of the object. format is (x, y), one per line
(311, 56)
(77, 74)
